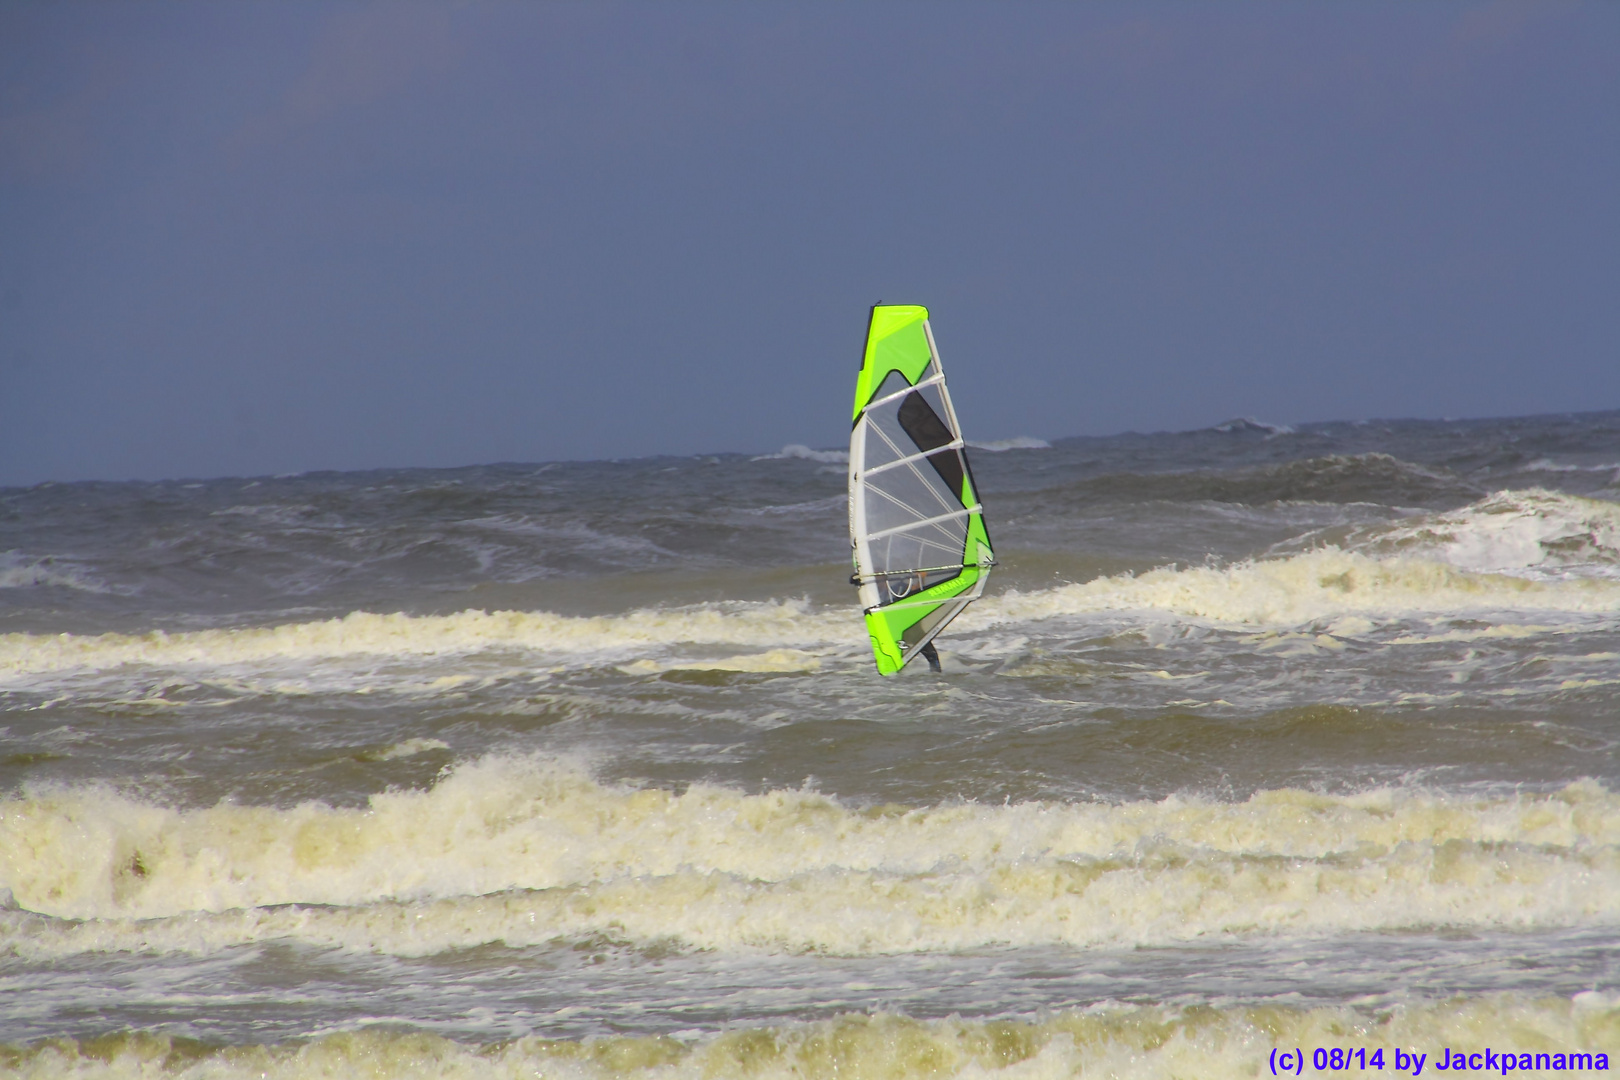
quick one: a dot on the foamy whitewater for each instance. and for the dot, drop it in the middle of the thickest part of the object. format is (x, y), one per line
(1263, 740)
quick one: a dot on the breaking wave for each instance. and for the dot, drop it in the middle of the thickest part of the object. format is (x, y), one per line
(19, 571)
(1311, 587)
(522, 852)
(1533, 533)
(1534, 552)
(363, 634)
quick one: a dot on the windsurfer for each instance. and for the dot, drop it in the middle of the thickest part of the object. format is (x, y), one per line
(916, 528)
(929, 653)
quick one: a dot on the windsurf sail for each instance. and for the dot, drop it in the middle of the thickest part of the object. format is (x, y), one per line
(921, 550)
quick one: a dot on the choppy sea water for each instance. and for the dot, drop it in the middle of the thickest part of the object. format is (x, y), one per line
(1261, 738)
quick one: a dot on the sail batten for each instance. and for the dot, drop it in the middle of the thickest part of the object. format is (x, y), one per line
(952, 515)
(916, 526)
(920, 455)
(885, 399)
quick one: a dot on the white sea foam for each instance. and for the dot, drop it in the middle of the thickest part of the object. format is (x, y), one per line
(1154, 898)
(799, 450)
(769, 661)
(513, 851)
(1150, 1042)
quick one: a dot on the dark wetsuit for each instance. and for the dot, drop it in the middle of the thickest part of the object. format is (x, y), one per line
(930, 654)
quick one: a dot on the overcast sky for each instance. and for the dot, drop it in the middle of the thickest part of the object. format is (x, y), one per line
(248, 238)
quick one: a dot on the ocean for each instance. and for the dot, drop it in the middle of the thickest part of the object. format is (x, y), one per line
(1262, 741)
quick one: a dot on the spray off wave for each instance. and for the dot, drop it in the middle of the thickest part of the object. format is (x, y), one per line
(1540, 534)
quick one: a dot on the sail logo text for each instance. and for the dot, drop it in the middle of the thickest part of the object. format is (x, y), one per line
(1342, 1059)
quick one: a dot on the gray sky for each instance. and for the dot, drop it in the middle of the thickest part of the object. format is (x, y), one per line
(247, 238)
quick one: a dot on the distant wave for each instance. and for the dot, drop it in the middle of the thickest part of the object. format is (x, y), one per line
(802, 452)
(521, 852)
(1248, 424)
(1019, 442)
(1336, 478)
(1549, 465)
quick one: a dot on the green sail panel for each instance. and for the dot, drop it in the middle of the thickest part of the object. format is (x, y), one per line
(915, 524)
